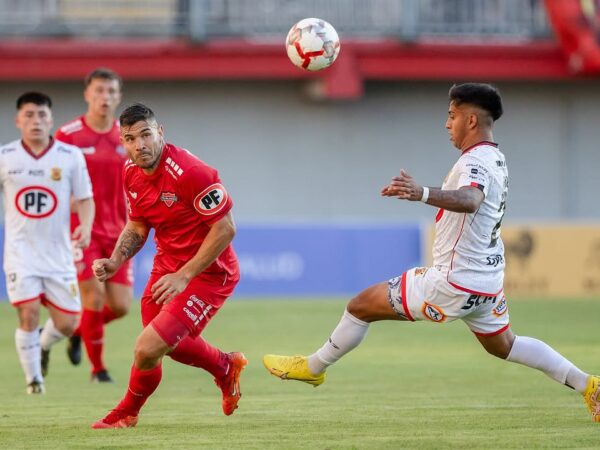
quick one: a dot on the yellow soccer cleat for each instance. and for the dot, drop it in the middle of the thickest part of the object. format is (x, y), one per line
(292, 368)
(591, 397)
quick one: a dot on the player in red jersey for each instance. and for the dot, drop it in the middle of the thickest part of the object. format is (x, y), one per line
(195, 269)
(96, 133)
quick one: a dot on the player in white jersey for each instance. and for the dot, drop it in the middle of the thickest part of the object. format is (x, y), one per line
(39, 176)
(465, 281)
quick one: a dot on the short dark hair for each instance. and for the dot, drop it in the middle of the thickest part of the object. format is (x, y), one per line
(136, 113)
(37, 98)
(103, 73)
(485, 96)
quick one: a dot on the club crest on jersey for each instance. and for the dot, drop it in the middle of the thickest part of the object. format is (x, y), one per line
(56, 173)
(211, 200)
(433, 312)
(36, 202)
(169, 198)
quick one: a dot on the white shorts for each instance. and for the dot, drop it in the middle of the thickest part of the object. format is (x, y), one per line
(423, 293)
(59, 291)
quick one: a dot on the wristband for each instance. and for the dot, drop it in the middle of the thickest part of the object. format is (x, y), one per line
(425, 195)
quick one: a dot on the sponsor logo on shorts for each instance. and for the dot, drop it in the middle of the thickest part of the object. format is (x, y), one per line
(190, 314)
(73, 290)
(500, 308)
(433, 312)
(475, 300)
(420, 271)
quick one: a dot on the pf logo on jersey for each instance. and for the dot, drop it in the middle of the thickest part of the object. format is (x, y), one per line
(36, 202)
(211, 200)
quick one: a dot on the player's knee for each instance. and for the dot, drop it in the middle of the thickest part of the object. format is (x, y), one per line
(119, 310)
(144, 357)
(29, 320)
(358, 307)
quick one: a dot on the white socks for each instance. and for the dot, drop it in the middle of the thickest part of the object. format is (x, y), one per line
(28, 349)
(538, 355)
(50, 335)
(346, 336)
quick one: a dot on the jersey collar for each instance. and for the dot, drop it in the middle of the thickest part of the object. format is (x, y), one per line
(493, 144)
(42, 153)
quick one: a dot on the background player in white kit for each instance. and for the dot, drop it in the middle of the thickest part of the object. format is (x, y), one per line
(466, 279)
(38, 177)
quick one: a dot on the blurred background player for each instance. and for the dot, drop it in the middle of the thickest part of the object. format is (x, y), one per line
(195, 269)
(39, 175)
(96, 133)
(466, 279)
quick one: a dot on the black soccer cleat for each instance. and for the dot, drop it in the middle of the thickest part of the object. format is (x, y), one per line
(102, 377)
(74, 350)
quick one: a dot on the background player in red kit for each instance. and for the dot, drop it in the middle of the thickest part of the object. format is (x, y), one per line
(96, 133)
(195, 268)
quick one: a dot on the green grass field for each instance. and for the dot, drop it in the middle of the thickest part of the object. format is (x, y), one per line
(407, 386)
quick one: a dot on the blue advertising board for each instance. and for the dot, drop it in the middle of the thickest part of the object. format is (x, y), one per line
(309, 259)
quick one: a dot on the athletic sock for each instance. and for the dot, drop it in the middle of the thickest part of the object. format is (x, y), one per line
(108, 315)
(142, 383)
(50, 335)
(349, 332)
(539, 355)
(199, 353)
(28, 349)
(92, 333)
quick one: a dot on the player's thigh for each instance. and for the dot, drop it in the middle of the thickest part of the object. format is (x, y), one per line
(373, 304)
(488, 319)
(24, 292)
(498, 344)
(118, 297)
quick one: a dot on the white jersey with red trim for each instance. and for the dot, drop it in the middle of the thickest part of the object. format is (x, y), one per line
(37, 191)
(468, 247)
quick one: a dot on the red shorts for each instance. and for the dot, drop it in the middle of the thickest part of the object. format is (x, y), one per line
(100, 248)
(188, 313)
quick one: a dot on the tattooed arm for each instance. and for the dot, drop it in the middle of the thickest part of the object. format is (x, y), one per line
(130, 242)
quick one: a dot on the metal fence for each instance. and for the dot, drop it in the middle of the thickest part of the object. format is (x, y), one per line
(203, 19)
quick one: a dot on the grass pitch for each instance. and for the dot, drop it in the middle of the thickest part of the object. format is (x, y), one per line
(409, 385)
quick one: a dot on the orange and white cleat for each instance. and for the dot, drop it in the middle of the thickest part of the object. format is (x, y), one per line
(230, 383)
(117, 418)
(591, 397)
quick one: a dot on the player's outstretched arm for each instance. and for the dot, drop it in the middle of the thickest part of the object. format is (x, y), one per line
(466, 199)
(218, 238)
(130, 242)
(86, 209)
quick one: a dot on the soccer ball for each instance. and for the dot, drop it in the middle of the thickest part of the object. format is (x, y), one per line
(312, 44)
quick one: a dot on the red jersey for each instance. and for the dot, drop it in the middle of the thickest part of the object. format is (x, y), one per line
(180, 200)
(105, 157)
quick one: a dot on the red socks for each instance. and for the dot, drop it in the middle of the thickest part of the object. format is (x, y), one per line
(92, 333)
(142, 383)
(199, 353)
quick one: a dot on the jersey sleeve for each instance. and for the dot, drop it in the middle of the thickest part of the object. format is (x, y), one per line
(81, 183)
(473, 173)
(201, 188)
(60, 136)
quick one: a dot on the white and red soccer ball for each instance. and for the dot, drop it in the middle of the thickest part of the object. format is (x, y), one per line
(312, 44)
